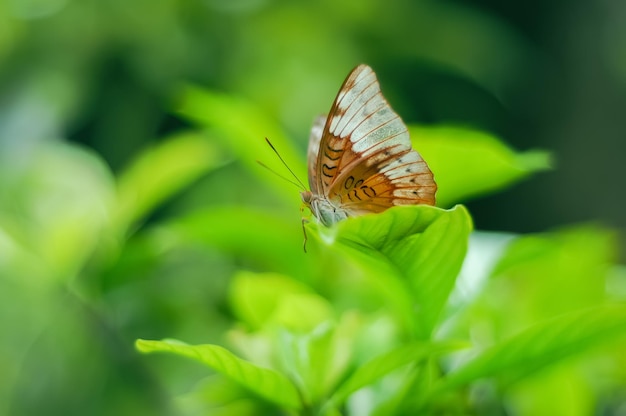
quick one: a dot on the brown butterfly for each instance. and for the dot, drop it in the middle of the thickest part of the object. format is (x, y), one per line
(360, 156)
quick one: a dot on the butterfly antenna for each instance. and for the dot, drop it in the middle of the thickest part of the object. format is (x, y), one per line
(286, 165)
(278, 174)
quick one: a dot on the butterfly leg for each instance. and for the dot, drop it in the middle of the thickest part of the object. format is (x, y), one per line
(304, 221)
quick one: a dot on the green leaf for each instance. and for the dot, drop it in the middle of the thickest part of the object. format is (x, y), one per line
(241, 127)
(255, 297)
(302, 312)
(540, 265)
(384, 364)
(220, 396)
(540, 276)
(160, 172)
(468, 163)
(55, 206)
(271, 240)
(542, 345)
(423, 247)
(379, 231)
(435, 260)
(270, 298)
(267, 383)
(412, 254)
(562, 390)
(317, 360)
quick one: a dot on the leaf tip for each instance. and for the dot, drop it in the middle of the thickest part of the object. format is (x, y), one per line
(144, 346)
(536, 160)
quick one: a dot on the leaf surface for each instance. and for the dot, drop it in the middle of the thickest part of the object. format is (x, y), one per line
(269, 384)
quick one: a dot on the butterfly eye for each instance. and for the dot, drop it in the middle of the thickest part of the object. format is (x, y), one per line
(306, 197)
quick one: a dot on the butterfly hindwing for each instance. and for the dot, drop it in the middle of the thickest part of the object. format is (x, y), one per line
(400, 179)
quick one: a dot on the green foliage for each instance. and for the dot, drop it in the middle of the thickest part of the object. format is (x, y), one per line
(380, 366)
(264, 382)
(484, 163)
(412, 254)
(224, 114)
(124, 220)
(161, 172)
(371, 311)
(542, 345)
(369, 306)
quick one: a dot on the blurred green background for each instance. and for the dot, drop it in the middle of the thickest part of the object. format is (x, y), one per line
(542, 74)
(90, 89)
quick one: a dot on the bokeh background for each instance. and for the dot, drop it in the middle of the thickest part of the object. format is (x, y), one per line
(540, 74)
(87, 86)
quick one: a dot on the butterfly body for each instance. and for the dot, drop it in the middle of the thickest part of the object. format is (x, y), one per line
(360, 156)
(327, 211)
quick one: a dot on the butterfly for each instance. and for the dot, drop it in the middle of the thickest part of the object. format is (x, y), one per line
(360, 157)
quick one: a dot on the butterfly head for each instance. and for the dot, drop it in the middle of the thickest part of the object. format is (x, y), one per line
(306, 197)
(324, 209)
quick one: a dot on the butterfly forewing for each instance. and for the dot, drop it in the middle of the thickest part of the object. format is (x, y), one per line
(363, 160)
(314, 145)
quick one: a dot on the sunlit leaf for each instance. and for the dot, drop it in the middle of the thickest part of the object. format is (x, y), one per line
(268, 298)
(220, 396)
(543, 345)
(254, 297)
(425, 246)
(557, 272)
(320, 358)
(241, 127)
(302, 311)
(412, 253)
(468, 163)
(267, 383)
(562, 390)
(382, 365)
(160, 172)
(55, 209)
(267, 238)
(435, 260)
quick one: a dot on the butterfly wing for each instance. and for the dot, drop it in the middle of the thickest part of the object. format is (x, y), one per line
(314, 145)
(402, 178)
(365, 161)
